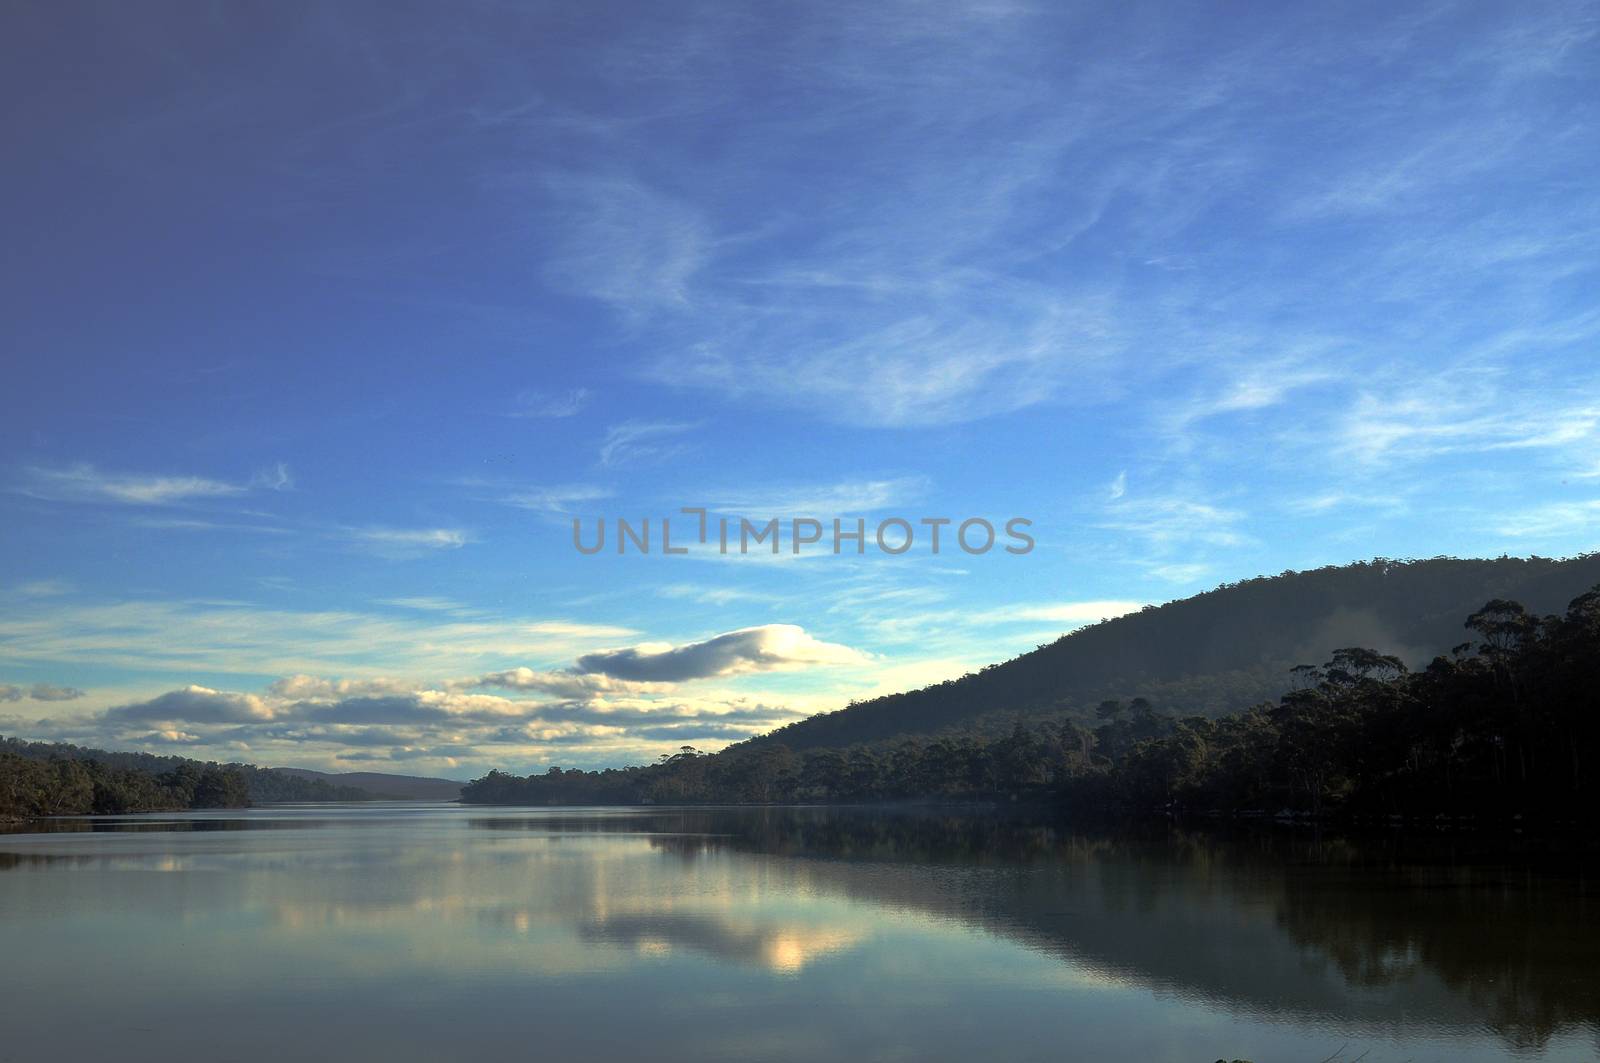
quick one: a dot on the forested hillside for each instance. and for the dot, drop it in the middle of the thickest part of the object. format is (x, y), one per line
(63, 786)
(1217, 652)
(1506, 722)
(260, 783)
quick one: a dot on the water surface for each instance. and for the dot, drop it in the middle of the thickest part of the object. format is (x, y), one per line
(439, 932)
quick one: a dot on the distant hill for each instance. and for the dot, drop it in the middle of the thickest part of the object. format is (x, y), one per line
(1216, 652)
(399, 787)
(264, 784)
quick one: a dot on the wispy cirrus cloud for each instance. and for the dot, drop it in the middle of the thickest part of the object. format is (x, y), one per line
(407, 542)
(87, 483)
(623, 242)
(275, 477)
(431, 604)
(644, 442)
(42, 588)
(559, 500)
(541, 405)
(1173, 521)
(1566, 520)
(1474, 412)
(822, 499)
(236, 638)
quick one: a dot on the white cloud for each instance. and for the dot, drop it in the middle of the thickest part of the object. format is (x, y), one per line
(42, 588)
(1253, 387)
(822, 500)
(1480, 409)
(86, 483)
(712, 595)
(1576, 520)
(307, 687)
(1332, 501)
(559, 500)
(429, 604)
(642, 442)
(195, 704)
(541, 405)
(407, 542)
(1174, 520)
(623, 242)
(1179, 572)
(240, 639)
(274, 478)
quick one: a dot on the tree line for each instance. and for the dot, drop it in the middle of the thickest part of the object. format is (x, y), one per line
(63, 786)
(58, 778)
(1502, 725)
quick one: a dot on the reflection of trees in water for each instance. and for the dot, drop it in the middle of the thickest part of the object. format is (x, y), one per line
(1386, 932)
(1496, 933)
(11, 861)
(1518, 945)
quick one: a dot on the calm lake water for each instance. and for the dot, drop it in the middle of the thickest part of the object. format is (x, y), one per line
(437, 932)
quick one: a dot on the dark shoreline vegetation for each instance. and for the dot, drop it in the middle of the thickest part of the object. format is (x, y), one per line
(1501, 727)
(57, 779)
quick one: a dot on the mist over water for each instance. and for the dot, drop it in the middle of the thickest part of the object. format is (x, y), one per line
(439, 932)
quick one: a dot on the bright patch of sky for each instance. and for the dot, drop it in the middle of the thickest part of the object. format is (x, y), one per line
(324, 320)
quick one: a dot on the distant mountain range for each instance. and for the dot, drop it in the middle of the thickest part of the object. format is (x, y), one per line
(1216, 652)
(380, 785)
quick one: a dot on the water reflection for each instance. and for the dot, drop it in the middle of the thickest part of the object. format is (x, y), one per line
(762, 943)
(1502, 934)
(962, 932)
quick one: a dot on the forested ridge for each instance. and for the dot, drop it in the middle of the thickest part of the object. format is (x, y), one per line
(1218, 652)
(55, 778)
(1504, 723)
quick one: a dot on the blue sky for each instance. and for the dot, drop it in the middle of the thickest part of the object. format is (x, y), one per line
(323, 321)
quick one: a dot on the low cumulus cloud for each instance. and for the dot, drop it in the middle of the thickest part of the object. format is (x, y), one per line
(195, 704)
(751, 649)
(310, 687)
(612, 705)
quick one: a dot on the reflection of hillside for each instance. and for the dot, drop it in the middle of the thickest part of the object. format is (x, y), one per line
(1333, 931)
(1369, 934)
